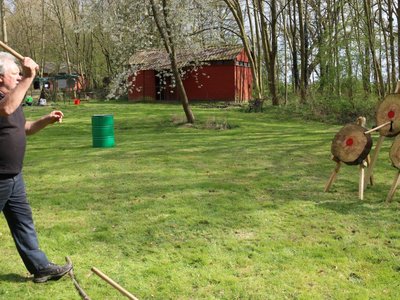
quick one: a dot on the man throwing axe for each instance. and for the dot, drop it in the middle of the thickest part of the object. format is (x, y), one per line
(13, 131)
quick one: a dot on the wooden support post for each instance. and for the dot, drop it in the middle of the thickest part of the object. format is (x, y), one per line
(371, 178)
(396, 182)
(361, 181)
(333, 176)
(374, 158)
(397, 90)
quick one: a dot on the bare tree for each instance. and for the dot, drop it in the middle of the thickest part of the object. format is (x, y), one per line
(236, 10)
(391, 35)
(3, 22)
(254, 22)
(58, 8)
(270, 45)
(294, 49)
(346, 35)
(398, 31)
(371, 43)
(42, 39)
(303, 51)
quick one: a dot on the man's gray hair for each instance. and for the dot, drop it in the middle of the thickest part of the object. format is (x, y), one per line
(4, 58)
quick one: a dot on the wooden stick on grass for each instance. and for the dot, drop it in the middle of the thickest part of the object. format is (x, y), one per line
(81, 292)
(113, 284)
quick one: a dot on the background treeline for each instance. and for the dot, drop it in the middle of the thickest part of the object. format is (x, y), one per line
(336, 56)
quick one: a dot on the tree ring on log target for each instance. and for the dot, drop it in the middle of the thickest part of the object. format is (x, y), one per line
(394, 153)
(389, 110)
(351, 145)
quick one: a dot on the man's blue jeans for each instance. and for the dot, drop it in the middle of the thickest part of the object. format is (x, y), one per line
(18, 213)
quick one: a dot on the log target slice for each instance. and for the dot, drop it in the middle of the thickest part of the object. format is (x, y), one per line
(350, 145)
(389, 110)
(394, 153)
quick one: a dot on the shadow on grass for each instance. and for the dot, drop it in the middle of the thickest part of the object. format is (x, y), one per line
(359, 208)
(12, 277)
(347, 207)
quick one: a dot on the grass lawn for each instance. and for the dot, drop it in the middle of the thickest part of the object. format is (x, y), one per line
(174, 212)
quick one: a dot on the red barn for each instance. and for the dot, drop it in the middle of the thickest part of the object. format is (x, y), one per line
(213, 74)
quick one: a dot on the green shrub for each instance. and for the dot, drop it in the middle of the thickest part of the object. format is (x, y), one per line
(341, 110)
(338, 110)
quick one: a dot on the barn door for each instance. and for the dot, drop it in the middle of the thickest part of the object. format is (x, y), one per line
(160, 87)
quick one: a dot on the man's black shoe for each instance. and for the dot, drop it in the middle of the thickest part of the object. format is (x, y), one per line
(51, 272)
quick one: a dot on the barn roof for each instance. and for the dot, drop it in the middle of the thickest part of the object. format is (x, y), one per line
(158, 59)
(60, 68)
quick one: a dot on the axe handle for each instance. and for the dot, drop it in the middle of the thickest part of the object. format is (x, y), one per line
(11, 50)
(113, 284)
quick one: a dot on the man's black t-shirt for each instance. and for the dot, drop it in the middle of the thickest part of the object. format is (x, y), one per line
(12, 141)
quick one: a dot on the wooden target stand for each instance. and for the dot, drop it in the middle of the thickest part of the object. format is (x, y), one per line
(388, 112)
(351, 145)
(395, 158)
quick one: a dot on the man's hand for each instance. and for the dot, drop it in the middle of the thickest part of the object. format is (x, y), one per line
(29, 67)
(55, 116)
(31, 127)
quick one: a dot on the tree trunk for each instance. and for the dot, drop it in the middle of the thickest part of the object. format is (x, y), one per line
(371, 43)
(3, 22)
(235, 8)
(59, 11)
(338, 69)
(385, 46)
(285, 58)
(391, 43)
(295, 64)
(169, 44)
(366, 70)
(268, 47)
(254, 23)
(349, 67)
(303, 52)
(42, 44)
(398, 31)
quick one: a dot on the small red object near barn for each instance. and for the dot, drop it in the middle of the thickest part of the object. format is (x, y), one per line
(213, 74)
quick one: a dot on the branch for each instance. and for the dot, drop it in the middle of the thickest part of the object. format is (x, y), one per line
(159, 27)
(82, 293)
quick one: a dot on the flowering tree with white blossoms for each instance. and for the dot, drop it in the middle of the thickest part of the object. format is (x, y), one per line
(172, 25)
